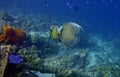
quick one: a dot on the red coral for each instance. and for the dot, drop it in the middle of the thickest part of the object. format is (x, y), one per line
(12, 35)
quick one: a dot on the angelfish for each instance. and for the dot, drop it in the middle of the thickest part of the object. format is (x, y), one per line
(72, 6)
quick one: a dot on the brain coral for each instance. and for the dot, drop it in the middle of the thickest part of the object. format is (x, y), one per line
(12, 35)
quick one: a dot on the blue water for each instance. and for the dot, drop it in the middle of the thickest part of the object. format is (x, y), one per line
(100, 20)
(95, 16)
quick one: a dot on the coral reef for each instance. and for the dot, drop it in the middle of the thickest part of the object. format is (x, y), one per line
(72, 61)
(41, 41)
(12, 35)
(4, 54)
(100, 71)
(104, 71)
(38, 36)
(31, 55)
(99, 59)
(7, 17)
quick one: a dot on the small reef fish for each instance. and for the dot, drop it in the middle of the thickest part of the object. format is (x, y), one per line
(15, 59)
(72, 6)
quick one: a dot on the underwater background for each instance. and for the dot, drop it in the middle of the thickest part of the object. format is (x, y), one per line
(102, 16)
(95, 55)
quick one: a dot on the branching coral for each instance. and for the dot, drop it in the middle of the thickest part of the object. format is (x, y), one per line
(4, 58)
(12, 35)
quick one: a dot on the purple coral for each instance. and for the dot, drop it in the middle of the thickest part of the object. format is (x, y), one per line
(15, 59)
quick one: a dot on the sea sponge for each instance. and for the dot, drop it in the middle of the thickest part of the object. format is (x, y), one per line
(12, 35)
